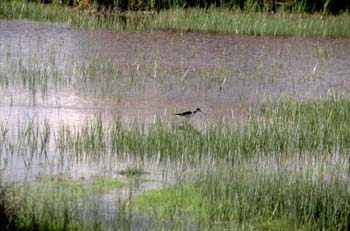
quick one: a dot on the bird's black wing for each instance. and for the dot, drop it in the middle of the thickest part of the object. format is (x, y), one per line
(184, 113)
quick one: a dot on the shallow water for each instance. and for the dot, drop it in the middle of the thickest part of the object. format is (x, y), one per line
(254, 68)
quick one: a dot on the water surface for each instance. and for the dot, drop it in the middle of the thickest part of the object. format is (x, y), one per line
(253, 68)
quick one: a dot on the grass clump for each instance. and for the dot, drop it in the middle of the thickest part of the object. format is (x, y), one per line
(55, 203)
(251, 195)
(315, 125)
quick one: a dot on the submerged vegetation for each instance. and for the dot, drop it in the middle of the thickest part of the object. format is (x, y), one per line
(212, 19)
(40, 73)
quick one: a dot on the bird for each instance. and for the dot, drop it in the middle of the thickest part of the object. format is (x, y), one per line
(189, 114)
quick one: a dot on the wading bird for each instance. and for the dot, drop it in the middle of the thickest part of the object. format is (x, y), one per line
(189, 114)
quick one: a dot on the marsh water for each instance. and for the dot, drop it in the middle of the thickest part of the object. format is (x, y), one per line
(60, 75)
(220, 72)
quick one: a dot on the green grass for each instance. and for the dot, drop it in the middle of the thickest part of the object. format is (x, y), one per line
(286, 126)
(288, 170)
(57, 203)
(214, 20)
(251, 23)
(259, 196)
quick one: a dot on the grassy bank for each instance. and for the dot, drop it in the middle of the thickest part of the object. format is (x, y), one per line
(252, 23)
(215, 20)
